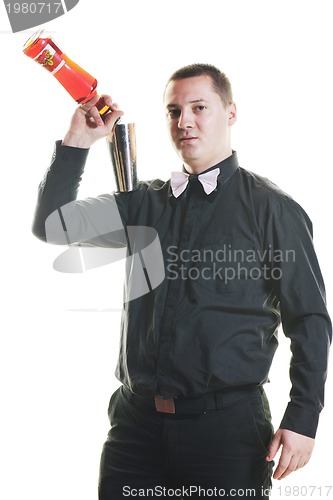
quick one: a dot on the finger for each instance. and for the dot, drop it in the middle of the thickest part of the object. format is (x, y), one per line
(91, 113)
(283, 464)
(113, 106)
(292, 467)
(94, 116)
(111, 119)
(303, 461)
(107, 101)
(87, 106)
(274, 447)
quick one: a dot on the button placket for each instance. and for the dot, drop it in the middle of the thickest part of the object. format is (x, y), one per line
(175, 286)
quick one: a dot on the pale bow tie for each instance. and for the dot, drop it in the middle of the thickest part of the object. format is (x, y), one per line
(179, 181)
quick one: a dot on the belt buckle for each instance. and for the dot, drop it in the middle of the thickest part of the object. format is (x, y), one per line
(164, 405)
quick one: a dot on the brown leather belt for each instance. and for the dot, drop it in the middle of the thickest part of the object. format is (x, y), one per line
(209, 401)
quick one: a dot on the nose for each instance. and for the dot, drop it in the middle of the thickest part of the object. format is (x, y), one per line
(185, 120)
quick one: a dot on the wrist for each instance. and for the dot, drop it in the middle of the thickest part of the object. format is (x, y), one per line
(76, 141)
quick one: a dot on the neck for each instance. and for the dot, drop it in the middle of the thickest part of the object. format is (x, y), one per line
(198, 168)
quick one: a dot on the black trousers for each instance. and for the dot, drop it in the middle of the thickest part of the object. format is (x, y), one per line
(213, 446)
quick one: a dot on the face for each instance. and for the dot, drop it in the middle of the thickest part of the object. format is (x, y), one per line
(199, 123)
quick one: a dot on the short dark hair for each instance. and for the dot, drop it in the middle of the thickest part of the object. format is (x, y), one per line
(220, 81)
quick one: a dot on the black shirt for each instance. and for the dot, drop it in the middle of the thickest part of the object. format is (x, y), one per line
(235, 264)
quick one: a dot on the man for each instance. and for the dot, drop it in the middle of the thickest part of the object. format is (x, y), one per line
(196, 350)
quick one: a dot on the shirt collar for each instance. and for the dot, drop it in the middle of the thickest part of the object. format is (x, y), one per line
(227, 167)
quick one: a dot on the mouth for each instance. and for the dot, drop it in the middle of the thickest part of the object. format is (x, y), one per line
(187, 139)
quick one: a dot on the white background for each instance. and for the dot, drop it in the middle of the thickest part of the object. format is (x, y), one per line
(60, 333)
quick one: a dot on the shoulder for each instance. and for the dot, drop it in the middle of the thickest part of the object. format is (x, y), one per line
(154, 185)
(264, 190)
(268, 197)
(146, 192)
(144, 188)
(262, 187)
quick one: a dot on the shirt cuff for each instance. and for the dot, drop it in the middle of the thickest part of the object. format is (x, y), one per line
(68, 157)
(300, 420)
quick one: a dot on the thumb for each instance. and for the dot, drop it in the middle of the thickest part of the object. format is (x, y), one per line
(274, 446)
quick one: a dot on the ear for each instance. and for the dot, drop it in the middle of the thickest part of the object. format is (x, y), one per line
(232, 110)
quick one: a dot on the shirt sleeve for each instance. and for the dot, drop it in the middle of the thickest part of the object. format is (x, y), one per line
(61, 219)
(59, 185)
(300, 291)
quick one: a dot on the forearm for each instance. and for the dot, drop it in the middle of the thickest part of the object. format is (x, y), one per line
(60, 184)
(310, 341)
(62, 220)
(300, 292)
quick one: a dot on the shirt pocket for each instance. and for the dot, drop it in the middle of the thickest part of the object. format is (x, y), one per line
(227, 264)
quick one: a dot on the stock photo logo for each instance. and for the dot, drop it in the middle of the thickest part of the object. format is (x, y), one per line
(143, 260)
(104, 240)
(25, 15)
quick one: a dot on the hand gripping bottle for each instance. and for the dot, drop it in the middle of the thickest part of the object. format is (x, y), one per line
(78, 83)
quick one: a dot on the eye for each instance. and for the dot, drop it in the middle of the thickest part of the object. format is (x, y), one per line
(200, 107)
(174, 113)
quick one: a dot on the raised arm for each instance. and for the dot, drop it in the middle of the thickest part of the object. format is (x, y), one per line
(58, 190)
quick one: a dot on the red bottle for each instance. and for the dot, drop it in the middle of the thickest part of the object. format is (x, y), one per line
(78, 83)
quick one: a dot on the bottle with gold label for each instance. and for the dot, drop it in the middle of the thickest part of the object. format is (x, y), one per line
(78, 83)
